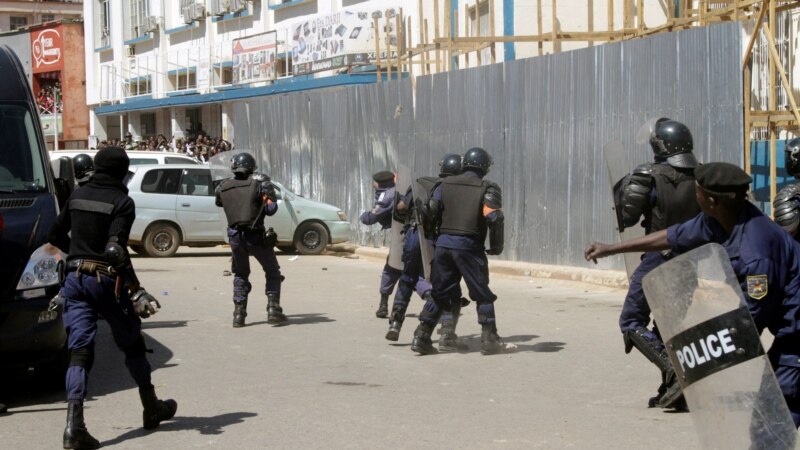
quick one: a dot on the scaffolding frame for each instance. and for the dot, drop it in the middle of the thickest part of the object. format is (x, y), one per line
(437, 53)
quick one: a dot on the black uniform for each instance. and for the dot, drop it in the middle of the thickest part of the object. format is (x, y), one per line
(94, 228)
(465, 208)
(246, 199)
(663, 194)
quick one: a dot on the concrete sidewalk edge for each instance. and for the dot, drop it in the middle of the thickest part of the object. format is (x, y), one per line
(610, 278)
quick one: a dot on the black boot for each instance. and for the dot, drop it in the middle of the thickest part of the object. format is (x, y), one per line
(274, 310)
(155, 410)
(383, 308)
(76, 436)
(422, 343)
(239, 313)
(448, 341)
(490, 342)
(395, 323)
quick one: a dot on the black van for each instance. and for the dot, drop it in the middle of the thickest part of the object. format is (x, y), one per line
(29, 203)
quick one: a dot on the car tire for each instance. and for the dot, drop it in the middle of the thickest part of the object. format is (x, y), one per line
(311, 238)
(161, 240)
(137, 248)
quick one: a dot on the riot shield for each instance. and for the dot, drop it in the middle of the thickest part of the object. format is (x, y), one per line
(402, 182)
(714, 346)
(220, 167)
(425, 246)
(618, 167)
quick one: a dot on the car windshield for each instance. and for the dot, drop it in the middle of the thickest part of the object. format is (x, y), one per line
(21, 165)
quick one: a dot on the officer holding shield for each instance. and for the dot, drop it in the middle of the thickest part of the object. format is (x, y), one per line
(465, 208)
(381, 213)
(765, 259)
(412, 253)
(662, 193)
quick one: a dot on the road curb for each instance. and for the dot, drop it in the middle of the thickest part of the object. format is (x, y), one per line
(609, 278)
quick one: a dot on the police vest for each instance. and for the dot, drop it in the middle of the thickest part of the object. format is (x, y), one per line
(676, 201)
(241, 201)
(462, 198)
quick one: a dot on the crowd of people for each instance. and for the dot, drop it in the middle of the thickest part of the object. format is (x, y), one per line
(48, 99)
(201, 147)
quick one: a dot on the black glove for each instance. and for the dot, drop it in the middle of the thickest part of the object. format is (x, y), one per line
(144, 304)
(494, 251)
(269, 189)
(270, 237)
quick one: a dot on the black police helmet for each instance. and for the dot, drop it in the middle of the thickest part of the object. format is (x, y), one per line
(477, 158)
(793, 157)
(243, 164)
(450, 165)
(83, 166)
(672, 141)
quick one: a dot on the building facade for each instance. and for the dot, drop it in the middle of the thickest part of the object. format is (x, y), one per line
(15, 14)
(52, 56)
(177, 67)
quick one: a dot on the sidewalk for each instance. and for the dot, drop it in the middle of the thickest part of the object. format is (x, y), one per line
(610, 278)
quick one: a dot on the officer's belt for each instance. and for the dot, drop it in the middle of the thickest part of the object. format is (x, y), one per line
(91, 267)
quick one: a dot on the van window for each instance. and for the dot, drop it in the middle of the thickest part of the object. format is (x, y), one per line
(21, 166)
(161, 181)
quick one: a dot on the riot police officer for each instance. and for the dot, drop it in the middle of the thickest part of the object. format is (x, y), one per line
(412, 254)
(246, 198)
(464, 207)
(663, 194)
(93, 228)
(381, 213)
(765, 259)
(83, 167)
(787, 203)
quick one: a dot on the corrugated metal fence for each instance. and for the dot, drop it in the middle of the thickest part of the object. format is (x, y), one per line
(545, 120)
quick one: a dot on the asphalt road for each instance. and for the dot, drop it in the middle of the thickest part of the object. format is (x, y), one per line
(329, 379)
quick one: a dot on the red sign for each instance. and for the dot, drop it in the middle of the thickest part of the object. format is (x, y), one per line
(46, 49)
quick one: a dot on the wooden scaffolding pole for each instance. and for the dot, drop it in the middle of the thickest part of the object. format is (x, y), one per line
(773, 148)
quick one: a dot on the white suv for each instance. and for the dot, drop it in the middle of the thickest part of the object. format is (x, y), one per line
(175, 206)
(136, 157)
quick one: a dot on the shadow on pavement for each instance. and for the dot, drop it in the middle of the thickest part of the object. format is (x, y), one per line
(204, 425)
(472, 343)
(297, 319)
(148, 325)
(108, 374)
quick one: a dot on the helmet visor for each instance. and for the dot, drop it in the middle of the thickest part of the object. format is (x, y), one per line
(646, 130)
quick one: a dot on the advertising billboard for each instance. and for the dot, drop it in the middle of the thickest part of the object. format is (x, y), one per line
(341, 39)
(254, 58)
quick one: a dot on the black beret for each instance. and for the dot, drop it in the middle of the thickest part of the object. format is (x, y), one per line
(720, 177)
(113, 161)
(384, 178)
